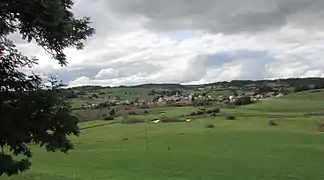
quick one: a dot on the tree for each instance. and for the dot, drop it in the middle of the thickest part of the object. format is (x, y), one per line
(112, 112)
(235, 93)
(29, 111)
(243, 101)
(50, 23)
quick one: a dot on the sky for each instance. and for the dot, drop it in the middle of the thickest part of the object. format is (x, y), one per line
(191, 42)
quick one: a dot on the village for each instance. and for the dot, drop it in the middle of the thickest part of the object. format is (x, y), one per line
(178, 97)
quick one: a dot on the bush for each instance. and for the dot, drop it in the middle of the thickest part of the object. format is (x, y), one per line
(272, 123)
(132, 113)
(200, 112)
(230, 117)
(146, 112)
(144, 107)
(109, 118)
(209, 111)
(209, 126)
(216, 110)
(193, 114)
(131, 121)
(112, 112)
(243, 101)
(177, 105)
(166, 119)
(103, 115)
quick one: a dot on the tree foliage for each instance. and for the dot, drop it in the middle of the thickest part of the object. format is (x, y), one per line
(50, 23)
(31, 113)
(243, 101)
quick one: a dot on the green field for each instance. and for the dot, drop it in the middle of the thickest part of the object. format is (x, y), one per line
(243, 149)
(108, 93)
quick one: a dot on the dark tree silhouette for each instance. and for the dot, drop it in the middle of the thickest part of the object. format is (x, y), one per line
(29, 111)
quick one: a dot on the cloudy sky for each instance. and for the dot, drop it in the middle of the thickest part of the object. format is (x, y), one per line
(193, 41)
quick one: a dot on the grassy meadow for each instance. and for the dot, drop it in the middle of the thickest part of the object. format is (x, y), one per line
(243, 149)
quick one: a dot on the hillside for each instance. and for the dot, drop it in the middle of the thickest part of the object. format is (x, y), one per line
(96, 94)
(204, 148)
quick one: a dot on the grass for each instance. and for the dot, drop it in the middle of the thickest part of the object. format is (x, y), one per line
(287, 106)
(108, 93)
(247, 148)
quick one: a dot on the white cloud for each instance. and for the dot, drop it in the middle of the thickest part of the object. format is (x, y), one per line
(134, 49)
(107, 74)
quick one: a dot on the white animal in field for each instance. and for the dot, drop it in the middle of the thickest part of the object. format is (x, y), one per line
(156, 121)
(188, 120)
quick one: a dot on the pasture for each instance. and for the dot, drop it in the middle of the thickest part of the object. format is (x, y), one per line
(243, 149)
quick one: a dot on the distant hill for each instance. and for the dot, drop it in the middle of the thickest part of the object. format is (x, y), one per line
(313, 95)
(290, 82)
(98, 94)
(165, 86)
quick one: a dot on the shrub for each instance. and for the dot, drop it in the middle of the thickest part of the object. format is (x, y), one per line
(209, 126)
(209, 111)
(146, 112)
(200, 112)
(193, 114)
(103, 115)
(243, 101)
(132, 113)
(230, 117)
(166, 119)
(272, 123)
(109, 118)
(112, 112)
(216, 110)
(177, 105)
(144, 107)
(320, 126)
(131, 121)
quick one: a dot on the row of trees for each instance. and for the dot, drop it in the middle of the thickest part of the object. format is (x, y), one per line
(294, 82)
(310, 87)
(164, 92)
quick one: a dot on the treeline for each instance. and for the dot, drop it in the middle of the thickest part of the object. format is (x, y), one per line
(295, 82)
(165, 86)
(164, 92)
(299, 84)
(308, 87)
(87, 88)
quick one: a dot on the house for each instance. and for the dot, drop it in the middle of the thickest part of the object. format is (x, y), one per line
(270, 94)
(249, 94)
(161, 99)
(231, 98)
(279, 95)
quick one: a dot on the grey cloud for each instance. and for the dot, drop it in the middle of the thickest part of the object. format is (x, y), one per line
(66, 75)
(253, 64)
(227, 16)
(124, 70)
(130, 69)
